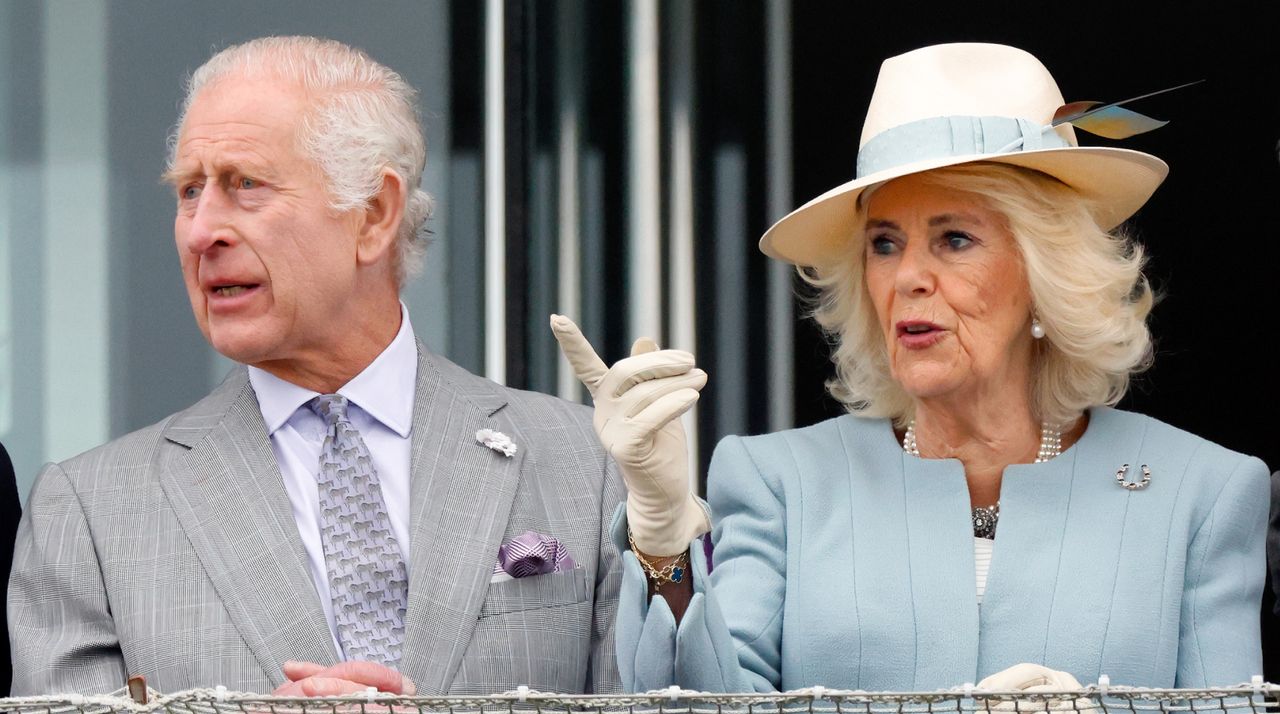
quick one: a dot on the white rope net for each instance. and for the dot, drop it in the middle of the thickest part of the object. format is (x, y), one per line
(1254, 698)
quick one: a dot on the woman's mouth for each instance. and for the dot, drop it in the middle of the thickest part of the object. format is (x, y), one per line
(918, 334)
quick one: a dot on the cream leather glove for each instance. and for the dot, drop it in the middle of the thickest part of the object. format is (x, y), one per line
(639, 402)
(1027, 677)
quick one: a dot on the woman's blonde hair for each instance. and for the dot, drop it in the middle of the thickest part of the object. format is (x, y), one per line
(1087, 290)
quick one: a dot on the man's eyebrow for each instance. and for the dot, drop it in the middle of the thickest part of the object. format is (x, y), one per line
(174, 175)
(177, 175)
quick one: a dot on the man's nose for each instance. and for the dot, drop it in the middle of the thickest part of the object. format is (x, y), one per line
(210, 223)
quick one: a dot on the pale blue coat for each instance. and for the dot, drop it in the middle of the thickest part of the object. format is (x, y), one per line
(842, 561)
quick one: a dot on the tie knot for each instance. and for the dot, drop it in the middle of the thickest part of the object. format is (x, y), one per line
(330, 407)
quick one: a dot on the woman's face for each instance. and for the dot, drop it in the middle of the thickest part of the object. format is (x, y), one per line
(949, 290)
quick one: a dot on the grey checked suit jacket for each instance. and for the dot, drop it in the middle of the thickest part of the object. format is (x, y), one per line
(172, 552)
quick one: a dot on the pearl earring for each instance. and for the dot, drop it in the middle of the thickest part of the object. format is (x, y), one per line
(1037, 331)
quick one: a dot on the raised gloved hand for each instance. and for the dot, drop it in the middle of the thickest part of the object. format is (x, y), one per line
(639, 402)
(1027, 677)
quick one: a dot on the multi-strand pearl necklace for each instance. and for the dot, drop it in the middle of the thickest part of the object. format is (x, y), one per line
(986, 517)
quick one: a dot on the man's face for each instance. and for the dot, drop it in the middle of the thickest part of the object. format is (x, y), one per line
(270, 268)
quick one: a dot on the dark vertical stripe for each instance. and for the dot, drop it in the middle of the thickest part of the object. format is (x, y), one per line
(518, 67)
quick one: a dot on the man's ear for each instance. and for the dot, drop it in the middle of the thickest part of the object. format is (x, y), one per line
(381, 220)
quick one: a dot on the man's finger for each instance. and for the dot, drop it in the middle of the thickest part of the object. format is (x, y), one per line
(586, 364)
(320, 687)
(369, 674)
(294, 670)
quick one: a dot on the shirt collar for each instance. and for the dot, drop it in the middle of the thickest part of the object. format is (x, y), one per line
(384, 389)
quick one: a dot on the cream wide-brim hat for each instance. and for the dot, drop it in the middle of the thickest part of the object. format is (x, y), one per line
(961, 103)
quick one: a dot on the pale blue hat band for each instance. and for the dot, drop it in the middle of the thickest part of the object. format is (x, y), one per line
(943, 137)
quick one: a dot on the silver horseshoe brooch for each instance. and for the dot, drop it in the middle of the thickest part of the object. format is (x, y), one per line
(1133, 485)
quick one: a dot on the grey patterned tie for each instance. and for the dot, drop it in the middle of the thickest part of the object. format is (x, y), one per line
(367, 577)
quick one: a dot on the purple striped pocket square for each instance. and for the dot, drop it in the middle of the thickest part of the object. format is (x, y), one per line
(532, 554)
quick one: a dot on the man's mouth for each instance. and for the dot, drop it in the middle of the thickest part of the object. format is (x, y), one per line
(230, 290)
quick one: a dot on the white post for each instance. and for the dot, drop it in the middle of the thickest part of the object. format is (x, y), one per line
(568, 89)
(495, 214)
(681, 291)
(644, 188)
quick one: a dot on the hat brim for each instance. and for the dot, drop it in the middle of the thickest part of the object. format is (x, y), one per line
(1117, 181)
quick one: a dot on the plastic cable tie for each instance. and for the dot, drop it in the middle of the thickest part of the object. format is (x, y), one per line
(522, 692)
(674, 692)
(819, 691)
(967, 688)
(370, 693)
(1104, 683)
(1257, 682)
(220, 692)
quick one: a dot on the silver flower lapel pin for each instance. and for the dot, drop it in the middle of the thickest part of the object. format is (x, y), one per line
(497, 441)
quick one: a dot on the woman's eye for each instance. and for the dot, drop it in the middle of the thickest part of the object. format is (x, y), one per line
(880, 245)
(957, 241)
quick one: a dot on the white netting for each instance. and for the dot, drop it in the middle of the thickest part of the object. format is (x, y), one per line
(1255, 698)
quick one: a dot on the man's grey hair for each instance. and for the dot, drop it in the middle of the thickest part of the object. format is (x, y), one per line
(362, 120)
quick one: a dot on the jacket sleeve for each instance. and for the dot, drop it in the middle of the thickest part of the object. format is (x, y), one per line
(730, 638)
(1219, 638)
(602, 676)
(60, 624)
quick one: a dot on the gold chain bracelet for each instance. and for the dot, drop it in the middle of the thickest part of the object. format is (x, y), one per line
(672, 572)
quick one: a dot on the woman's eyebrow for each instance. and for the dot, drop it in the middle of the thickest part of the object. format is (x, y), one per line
(881, 223)
(948, 218)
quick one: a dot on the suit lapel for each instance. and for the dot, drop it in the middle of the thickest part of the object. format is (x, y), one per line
(230, 499)
(461, 494)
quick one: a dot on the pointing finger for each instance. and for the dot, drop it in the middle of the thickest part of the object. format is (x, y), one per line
(587, 365)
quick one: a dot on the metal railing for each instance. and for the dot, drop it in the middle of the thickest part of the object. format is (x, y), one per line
(1254, 698)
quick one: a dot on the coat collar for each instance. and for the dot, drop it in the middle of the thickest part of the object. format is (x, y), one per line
(462, 494)
(229, 497)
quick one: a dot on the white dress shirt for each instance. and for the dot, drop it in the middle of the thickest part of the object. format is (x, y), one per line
(381, 409)
(982, 548)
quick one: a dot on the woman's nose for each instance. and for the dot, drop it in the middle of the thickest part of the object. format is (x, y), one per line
(915, 274)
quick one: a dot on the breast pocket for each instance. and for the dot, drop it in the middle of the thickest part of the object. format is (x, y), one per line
(536, 591)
